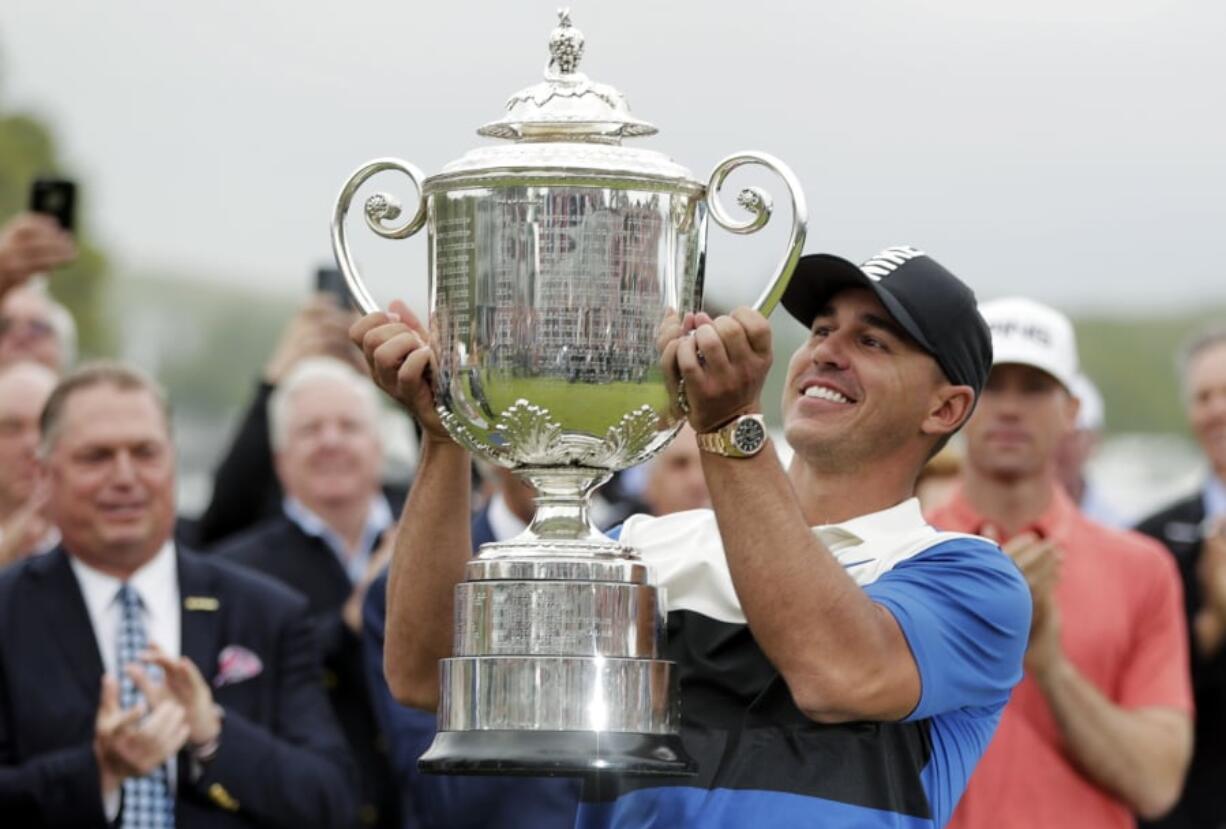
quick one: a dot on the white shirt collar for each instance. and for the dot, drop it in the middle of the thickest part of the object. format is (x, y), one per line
(504, 523)
(901, 519)
(686, 551)
(378, 518)
(156, 583)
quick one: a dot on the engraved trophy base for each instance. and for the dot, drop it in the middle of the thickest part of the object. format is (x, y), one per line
(555, 670)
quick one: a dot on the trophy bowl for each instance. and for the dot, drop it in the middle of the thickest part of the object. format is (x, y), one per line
(555, 262)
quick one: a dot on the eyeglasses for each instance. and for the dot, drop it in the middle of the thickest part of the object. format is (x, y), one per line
(33, 327)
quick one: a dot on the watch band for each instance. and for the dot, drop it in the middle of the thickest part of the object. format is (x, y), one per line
(741, 437)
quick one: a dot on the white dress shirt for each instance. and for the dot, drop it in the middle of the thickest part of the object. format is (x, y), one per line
(157, 585)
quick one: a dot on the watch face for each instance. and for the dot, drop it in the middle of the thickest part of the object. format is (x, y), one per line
(748, 435)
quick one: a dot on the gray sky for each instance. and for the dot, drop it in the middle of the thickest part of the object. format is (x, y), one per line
(1072, 150)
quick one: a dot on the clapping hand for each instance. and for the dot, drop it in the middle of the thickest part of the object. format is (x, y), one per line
(135, 741)
(182, 683)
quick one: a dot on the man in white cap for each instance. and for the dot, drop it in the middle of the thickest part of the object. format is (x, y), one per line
(1100, 726)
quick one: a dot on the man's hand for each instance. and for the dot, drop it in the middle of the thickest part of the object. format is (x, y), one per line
(723, 363)
(1039, 560)
(182, 684)
(1209, 626)
(1211, 570)
(134, 742)
(319, 329)
(32, 243)
(397, 350)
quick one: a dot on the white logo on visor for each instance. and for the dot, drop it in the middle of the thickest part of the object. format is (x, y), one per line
(886, 262)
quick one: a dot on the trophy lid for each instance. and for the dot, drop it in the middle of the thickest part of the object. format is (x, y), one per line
(567, 105)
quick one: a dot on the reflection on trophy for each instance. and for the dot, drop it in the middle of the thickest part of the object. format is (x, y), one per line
(555, 258)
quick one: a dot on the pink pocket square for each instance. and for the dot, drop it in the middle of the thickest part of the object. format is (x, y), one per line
(235, 664)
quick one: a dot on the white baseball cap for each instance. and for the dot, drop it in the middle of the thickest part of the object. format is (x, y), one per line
(1029, 333)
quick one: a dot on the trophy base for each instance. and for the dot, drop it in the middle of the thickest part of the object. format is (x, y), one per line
(556, 754)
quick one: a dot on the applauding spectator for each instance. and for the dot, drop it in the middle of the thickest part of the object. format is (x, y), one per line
(1100, 727)
(245, 488)
(140, 684)
(1194, 530)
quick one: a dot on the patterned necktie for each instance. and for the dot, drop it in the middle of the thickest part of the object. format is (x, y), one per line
(147, 802)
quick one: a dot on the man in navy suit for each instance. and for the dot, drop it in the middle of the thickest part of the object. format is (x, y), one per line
(141, 685)
(1194, 530)
(439, 801)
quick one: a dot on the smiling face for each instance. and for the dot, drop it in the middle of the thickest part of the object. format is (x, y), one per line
(331, 453)
(1205, 380)
(1024, 413)
(111, 474)
(860, 389)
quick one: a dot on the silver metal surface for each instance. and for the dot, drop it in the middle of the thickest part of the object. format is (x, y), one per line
(557, 693)
(555, 262)
(557, 618)
(512, 562)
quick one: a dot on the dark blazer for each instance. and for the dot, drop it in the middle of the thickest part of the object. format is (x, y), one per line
(440, 801)
(278, 548)
(282, 760)
(1202, 803)
(245, 485)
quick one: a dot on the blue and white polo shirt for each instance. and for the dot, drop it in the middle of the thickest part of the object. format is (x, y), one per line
(965, 611)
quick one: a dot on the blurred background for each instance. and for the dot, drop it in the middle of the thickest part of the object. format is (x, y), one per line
(1071, 152)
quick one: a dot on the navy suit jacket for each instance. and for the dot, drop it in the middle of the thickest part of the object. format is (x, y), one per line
(1202, 803)
(282, 760)
(441, 801)
(278, 548)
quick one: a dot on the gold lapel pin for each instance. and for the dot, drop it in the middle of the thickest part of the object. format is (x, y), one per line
(206, 603)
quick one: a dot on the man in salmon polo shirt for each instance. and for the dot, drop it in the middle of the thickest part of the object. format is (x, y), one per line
(1100, 728)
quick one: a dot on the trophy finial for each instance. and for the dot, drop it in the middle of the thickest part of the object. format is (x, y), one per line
(565, 45)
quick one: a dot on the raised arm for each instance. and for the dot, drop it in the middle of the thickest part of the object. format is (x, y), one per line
(433, 543)
(843, 656)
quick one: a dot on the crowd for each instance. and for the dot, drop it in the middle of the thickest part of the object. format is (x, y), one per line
(997, 653)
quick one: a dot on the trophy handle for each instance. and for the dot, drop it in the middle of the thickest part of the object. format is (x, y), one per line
(758, 203)
(380, 208)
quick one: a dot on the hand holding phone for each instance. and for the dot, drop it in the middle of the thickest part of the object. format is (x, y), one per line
(31, 244)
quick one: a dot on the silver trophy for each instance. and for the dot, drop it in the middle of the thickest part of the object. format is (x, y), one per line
(555, 259)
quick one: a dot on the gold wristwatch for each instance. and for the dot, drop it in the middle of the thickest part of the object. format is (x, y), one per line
(741, 437)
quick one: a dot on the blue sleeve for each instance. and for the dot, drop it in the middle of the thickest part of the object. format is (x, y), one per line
(965, 611)
(409, 732)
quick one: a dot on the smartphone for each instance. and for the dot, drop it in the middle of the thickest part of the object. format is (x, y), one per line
(56, 197)
(332, 281)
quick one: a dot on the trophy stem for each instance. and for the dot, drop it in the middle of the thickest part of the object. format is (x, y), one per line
(563, 503)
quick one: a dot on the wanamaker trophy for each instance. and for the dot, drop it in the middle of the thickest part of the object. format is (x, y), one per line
(555, 258)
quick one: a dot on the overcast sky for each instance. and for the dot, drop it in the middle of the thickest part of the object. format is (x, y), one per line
(1073, 150)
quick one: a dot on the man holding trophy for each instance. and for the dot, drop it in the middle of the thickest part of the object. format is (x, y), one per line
(830, 659)
(841, 662)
